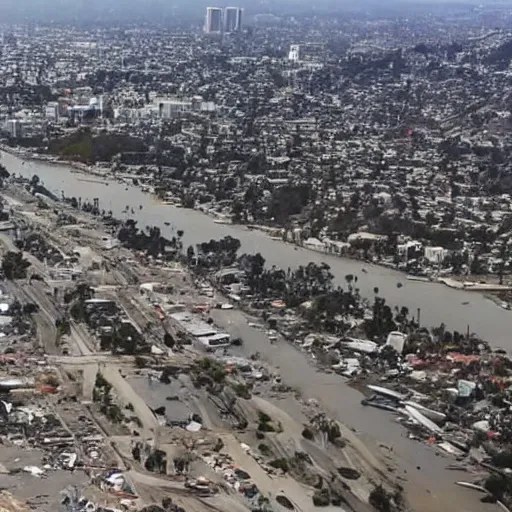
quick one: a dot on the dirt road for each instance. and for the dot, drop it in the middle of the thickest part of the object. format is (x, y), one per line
(127, 394)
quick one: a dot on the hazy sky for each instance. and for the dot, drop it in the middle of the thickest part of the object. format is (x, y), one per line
(124, 10)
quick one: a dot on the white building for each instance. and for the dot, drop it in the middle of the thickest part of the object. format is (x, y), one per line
(232, 19)
(170, 109)
(435, 255)
(13, 128)
(52, 111)
(294, 53)
(213, 23)
(409, 247)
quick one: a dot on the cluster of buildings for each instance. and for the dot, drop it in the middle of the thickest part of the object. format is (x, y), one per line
(203, 336)
(389, 145)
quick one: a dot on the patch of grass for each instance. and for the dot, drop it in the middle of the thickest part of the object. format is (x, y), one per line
(266, 427)
(333, 432)
(137, 421)
(242, 391)
(205, 363)
(263, 417)
(264, 422)
(264, 449)
(281, 464)
(112, 412)
(140, 362)
(321, 498)
(380, 499)
(218, 375)
(308, 434)
(211, 369)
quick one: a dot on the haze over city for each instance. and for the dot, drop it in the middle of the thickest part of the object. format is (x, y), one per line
(181, 11)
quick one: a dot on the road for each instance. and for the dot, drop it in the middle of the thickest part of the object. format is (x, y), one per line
(159, 487)
(127, 395)
(37, 292)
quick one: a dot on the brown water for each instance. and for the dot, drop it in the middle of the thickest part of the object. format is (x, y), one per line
(437, 302)
(431, 486)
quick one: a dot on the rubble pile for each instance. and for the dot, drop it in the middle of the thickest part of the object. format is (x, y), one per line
(167, 506)
(74, 500)
(16, 325)
(235, 477)
(67, 437)
(115, 482)
(66, 219)
(93, 449)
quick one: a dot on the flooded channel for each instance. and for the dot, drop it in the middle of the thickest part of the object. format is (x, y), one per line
(425, 478)
(438, 303)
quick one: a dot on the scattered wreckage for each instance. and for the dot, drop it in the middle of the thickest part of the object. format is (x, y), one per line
(456, 398)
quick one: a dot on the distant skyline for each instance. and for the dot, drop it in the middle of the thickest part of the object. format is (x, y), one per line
(165, 11)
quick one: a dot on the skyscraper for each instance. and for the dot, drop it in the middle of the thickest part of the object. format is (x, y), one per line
(239, 19)
(232, 19)
(213, 20)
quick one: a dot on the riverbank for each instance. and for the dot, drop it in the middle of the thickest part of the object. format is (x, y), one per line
(456, 308)
(53, 160)
(274, 233)
(473, 286)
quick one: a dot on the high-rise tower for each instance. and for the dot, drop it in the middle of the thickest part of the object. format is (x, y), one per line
(232, 19)
(213, 23)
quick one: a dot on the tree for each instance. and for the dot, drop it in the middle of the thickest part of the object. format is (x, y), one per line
(430, 219)
(34, 181)
(289, 200)
(4, 174)
(476, 266)
(14, 266)
(382, 320)
(252, 264)
(218, 253)
(497, 485)
(125, 339)
(237, 210)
